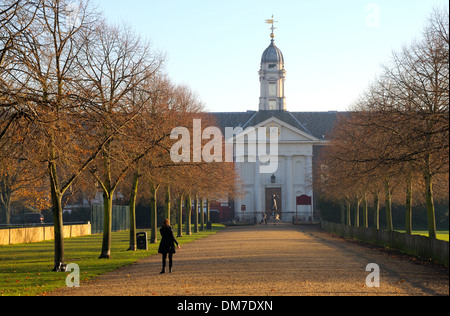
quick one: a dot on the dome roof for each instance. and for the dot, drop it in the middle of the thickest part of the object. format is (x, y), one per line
(272, 54)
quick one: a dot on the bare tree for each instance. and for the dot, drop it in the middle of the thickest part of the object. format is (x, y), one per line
(399, 127)
(41, 78)
(44, 83)
(420, 77)
(116, 64)
(15, 18)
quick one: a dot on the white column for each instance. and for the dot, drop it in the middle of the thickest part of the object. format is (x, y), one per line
(289, 184)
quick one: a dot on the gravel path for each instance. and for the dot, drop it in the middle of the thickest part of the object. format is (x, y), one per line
(282, 260)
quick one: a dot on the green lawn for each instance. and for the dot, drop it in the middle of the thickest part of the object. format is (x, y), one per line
(26, 269)
(441, 235)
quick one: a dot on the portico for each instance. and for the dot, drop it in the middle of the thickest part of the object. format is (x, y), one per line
(292, 178)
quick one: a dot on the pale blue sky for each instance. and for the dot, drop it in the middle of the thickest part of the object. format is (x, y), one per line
(332, 48)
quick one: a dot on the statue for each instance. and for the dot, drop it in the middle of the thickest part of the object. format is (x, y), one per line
(274, 205)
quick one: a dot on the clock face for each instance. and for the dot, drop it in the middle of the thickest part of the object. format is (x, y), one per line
(273, 125)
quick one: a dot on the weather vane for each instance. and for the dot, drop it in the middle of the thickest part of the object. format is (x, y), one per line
(273, 28)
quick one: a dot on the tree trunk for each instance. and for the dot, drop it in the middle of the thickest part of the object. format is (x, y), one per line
(188, 215)
(5, 203)
(133, 195)
(365, 211)
(108, 194)
(358, 204)
(196, 215)
(376, 207)
(349, 216)
(180, 216)
(342, 213)
(409, 204)
(107, 225)
(58, 224)
(154, 213)
(208, 212)
(167, 211)
(59, 234)
(202, 215)
(388, 194)
(57, 209)
(430, 199)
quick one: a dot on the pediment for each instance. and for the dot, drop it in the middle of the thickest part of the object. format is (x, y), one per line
(287, 132)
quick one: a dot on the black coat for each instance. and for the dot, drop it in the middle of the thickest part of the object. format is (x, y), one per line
(168, 240)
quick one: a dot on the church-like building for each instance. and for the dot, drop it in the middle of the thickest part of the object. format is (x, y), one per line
(287, 193)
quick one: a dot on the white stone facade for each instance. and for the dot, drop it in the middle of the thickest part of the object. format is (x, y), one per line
(292, 179)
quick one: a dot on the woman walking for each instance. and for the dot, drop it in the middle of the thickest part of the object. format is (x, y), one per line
(167, 245)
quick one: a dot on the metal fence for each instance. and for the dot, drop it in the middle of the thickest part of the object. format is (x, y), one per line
(120, 218)
(420, 246)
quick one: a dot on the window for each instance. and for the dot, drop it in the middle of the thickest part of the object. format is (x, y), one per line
(272, 89)
(272, 105)
(272, 66)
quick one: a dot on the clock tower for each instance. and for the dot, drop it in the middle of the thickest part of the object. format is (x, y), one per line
(272, 77)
